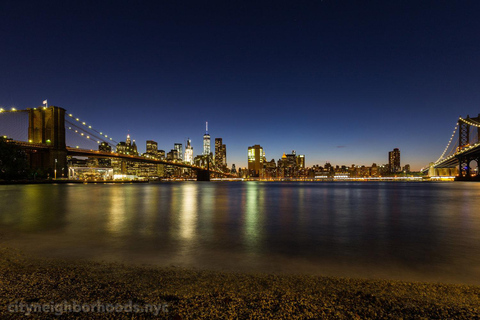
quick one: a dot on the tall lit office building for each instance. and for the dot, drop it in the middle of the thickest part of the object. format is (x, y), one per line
(127, 147)
(206, 141)
(189, 152)
(394, 161)
(255, 159)
(220, 153)
(179, 148)
(301, 161)
(224, 156)
(152, 147)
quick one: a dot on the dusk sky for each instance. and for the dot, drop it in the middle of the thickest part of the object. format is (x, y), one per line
(338, 81)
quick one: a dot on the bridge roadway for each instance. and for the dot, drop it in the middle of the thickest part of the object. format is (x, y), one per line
(453, 160)
(102, 154)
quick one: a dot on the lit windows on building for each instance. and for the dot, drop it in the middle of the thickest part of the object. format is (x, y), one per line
(152, 147)
(394, 161)
(220, 154)
(206, 142)
(179, 148)
(189, 152)
(255, 160)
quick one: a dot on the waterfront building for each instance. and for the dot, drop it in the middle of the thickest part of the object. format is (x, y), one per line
(161, 154)
(104, 147)
(172, 155)
(301, 161)
(127, 147)
(224, 156)
(394, 161)
(206, 141)
(104, 162)
(189, 152)
(255, 160)
(220, 154)
(152, 147)
(269, 170)
(179, 148)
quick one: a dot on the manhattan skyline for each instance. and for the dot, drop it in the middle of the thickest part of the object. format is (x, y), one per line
(337, 81)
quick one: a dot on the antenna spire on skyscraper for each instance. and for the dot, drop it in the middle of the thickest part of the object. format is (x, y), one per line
(206, 127)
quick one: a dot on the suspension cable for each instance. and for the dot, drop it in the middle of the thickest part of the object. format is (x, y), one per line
(449, 142)
(90, 127)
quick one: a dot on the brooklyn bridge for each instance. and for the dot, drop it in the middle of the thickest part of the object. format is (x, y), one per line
(48, 147)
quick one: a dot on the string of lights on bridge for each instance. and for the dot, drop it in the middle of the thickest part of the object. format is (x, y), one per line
(89, 127)
(12, 109)
(85, 135)
(470, 122)
(449, 143)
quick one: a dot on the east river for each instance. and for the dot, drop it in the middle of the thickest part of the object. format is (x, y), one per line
(416, 231)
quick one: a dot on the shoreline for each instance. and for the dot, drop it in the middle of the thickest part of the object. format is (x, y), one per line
(360, 180)
(192, 293)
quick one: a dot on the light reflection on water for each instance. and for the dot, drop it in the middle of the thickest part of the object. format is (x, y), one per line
(411, 231)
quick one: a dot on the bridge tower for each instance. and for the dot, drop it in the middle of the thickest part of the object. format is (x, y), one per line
(463, 142)
(47, 126)
(204, 175)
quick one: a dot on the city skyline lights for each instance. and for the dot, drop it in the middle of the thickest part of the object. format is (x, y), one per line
(342, 81)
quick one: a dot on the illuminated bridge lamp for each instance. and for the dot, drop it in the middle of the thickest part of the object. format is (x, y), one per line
(1, 110)
(48, 141)
(13, 109)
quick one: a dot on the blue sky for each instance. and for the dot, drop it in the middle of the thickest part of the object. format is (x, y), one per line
(338, 81)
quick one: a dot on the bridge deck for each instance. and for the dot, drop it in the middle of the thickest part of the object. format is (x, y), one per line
(452, 161)
(101, 154)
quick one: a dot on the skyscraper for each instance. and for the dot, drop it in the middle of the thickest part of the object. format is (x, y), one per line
(179, 148)
(220, 154)
(255, 160)
(206, 141)
(394, 161)
(189, 152)
(127, 147)
(152, 147)
(224, 149)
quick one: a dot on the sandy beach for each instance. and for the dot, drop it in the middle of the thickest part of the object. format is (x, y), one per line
(176, 293)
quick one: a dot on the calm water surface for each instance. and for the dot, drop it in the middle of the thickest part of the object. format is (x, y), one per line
(409, 231)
